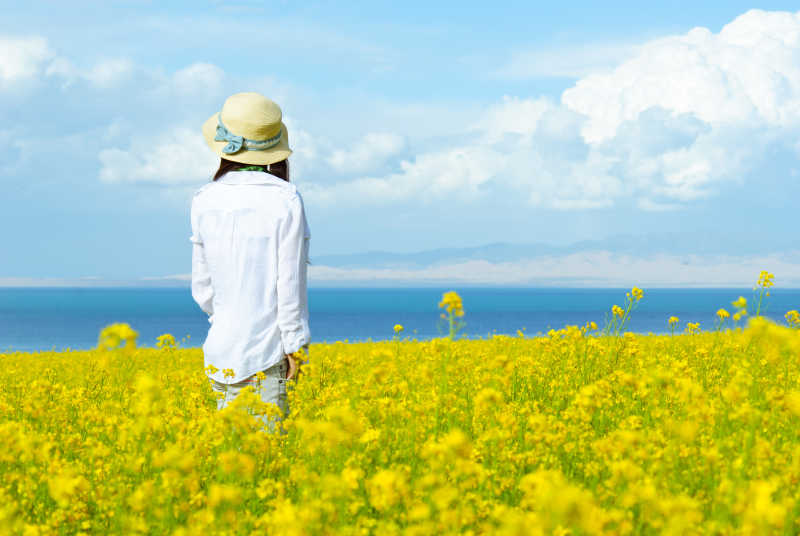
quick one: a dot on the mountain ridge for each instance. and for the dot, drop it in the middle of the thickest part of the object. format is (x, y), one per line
(696, 243)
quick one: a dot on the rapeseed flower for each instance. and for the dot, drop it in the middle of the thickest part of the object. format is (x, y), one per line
(117, 335)
(722, 316)
(166, 340)
(765, 279)
(672, 322)
(66, 487)
(451, 302)
(386, 489)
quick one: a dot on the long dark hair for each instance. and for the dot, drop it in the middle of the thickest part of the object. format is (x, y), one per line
(279, 169)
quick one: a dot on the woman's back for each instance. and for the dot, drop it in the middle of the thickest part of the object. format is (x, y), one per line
(253, 240)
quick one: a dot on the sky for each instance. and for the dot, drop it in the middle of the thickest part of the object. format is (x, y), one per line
(415, 126)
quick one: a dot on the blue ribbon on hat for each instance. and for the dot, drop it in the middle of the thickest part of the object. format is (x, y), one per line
(237, 143)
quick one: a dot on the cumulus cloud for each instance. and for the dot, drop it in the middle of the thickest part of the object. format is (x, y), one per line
(31, 58)
(512, 116)
(529, 145)
(23, 58)
(747, 74)
(458, 172)
(677, 120)
(178, 157)
(368, 153)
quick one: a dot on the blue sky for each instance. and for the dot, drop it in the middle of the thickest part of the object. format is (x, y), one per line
(415, 126)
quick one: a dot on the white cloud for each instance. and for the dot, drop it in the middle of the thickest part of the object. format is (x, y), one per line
(456, 173)
(23, 58)
(370, 152)
(32, 59)
(747, 73)
(178, 157)
(676, 121)
(512, 116)
(528, 145)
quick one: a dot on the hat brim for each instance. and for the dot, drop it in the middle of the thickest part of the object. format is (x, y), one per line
(274, 154)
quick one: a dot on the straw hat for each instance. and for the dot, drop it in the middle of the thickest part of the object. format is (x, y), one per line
(248, 130)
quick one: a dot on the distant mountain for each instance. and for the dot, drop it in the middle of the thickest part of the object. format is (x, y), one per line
(698, 243)
(657, 260)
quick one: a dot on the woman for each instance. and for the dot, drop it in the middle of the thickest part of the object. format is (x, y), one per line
(249, 255)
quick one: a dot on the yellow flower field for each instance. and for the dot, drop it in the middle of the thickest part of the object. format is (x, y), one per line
(564, 434)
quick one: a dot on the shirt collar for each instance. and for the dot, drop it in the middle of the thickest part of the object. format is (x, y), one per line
(250, 177)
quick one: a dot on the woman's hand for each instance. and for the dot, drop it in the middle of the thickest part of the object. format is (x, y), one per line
(293, 360)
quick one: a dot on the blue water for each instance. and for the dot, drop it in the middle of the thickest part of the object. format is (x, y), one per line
(56, 318)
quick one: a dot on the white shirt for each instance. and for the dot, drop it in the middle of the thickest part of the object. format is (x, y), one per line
(249, 271)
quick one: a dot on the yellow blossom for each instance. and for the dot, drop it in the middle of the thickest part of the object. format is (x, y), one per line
(451, 302)
(166, 341)
(765, 279)
(386, 489)
(114, 335)
(637, 293)
(65, 487)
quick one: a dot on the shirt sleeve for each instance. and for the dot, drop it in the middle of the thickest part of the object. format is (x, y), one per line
(202, 290)
(292, 284)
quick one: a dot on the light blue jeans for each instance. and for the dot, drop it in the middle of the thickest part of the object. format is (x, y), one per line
(272, 390)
